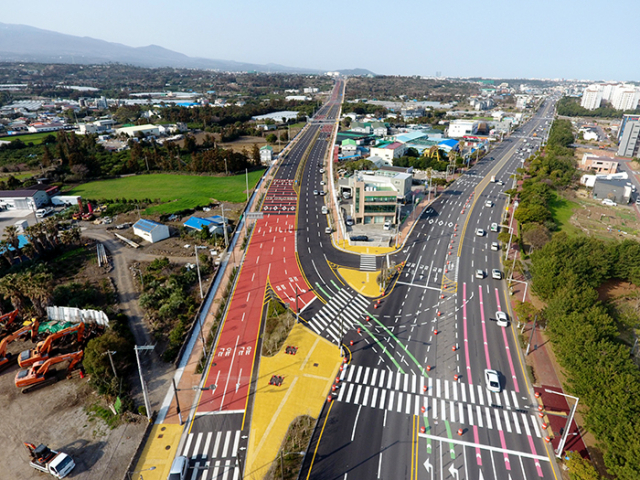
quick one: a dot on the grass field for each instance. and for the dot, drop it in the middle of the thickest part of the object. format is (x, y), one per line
(561, 211)
(179, 192)
(35, 138)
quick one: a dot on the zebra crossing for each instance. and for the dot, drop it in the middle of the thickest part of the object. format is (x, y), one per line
(441, 399)
(339, 315)
(368, 263)
(218, 457)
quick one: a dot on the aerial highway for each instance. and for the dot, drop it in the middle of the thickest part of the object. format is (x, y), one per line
(217, 434)
(413, 401)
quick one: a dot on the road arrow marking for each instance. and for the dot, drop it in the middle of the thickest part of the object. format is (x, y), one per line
(238, 384)
(454, 472)
(429, 467)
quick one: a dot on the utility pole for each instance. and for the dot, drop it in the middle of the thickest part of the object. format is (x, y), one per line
(246, 231)
(224, 227)
(225, 167)
(109, 352)
(145, 394)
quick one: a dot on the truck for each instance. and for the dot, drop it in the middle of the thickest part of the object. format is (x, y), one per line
(493, 179)
(49, 461)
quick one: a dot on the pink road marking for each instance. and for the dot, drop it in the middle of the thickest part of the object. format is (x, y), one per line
(484, 330)
(476, 439)
(464, 326)
(507, 464)
(533, 450)
(506, 346)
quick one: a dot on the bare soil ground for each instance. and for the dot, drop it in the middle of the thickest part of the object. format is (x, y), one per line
(604, 222)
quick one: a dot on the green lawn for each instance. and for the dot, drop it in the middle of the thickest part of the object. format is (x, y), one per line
(561, 211)
(35, 138)
(180, 192)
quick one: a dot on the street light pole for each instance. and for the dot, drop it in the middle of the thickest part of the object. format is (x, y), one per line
(204, 345)
(175, 394)
(567, 427)
(195, 249)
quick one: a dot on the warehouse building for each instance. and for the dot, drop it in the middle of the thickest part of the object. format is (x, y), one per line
(23, 199)
(150, 231)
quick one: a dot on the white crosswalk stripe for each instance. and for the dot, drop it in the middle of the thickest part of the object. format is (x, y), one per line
(204, 447)
(368, 263)
(341, 314)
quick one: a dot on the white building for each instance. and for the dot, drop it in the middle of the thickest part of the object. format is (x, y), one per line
(625, 97)
(23, 199)
(266, 155)
(310, 90)
(592, 97)
(298, 98)
(137, 130)
(150, 231)
(389, 151)
(460, 128)
(45, 127)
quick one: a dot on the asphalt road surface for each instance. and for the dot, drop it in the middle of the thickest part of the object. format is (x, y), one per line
(400, 407)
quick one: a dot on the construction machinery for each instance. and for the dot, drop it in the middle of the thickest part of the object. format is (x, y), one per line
(38, 375)
(81, 214)
(7, 359)
(43, 348)
(49, 461)
(7, 319)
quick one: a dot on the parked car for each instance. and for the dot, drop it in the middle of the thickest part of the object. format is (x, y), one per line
(386, 226)
(359, 238)
(492, 379)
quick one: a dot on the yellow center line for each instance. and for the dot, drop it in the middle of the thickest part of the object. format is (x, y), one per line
(315, 452)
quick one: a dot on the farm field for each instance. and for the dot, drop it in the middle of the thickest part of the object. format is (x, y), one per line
(35, 138)
(178, 192)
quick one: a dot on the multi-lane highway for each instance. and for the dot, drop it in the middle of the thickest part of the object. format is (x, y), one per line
(217, 435)
(413, 402)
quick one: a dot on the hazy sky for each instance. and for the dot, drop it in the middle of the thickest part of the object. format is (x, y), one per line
(585, 39)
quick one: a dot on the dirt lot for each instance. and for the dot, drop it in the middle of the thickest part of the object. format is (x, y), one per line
(55, 416)
(601, 221)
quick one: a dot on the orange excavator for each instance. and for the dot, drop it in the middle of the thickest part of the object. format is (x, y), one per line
(38, 376)
(7, 359)
(7, 319)
(43, 348)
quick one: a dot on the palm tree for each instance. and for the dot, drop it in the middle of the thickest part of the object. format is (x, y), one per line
(38, 287)
(32, 234)
(11, 234)
(11, 287)
(50, 229)
(7, 252)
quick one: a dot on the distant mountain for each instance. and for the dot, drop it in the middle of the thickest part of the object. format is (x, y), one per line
(21, 43)
(361, 72)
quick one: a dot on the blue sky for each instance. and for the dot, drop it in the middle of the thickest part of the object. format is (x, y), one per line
(585, 39)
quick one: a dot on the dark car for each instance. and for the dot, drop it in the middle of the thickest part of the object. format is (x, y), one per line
(359, 238)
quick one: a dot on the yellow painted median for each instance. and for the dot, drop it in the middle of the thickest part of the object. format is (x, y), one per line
(344, 244)
(308, 376)
(365, 283)
(159, 451)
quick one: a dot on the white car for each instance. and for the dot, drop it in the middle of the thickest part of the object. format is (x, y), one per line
(492, 379)
(495, 246)
(386, 226)
(315, 192)
(322, 193)
(495, 227)
(322, 170)
(488, 204)
(480, 232)
(322, 183)
(502, 319)
(496, 274)
(606, 201)
(479, 273)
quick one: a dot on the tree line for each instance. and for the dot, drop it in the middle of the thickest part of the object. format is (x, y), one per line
(570, 107)
(586, 340)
